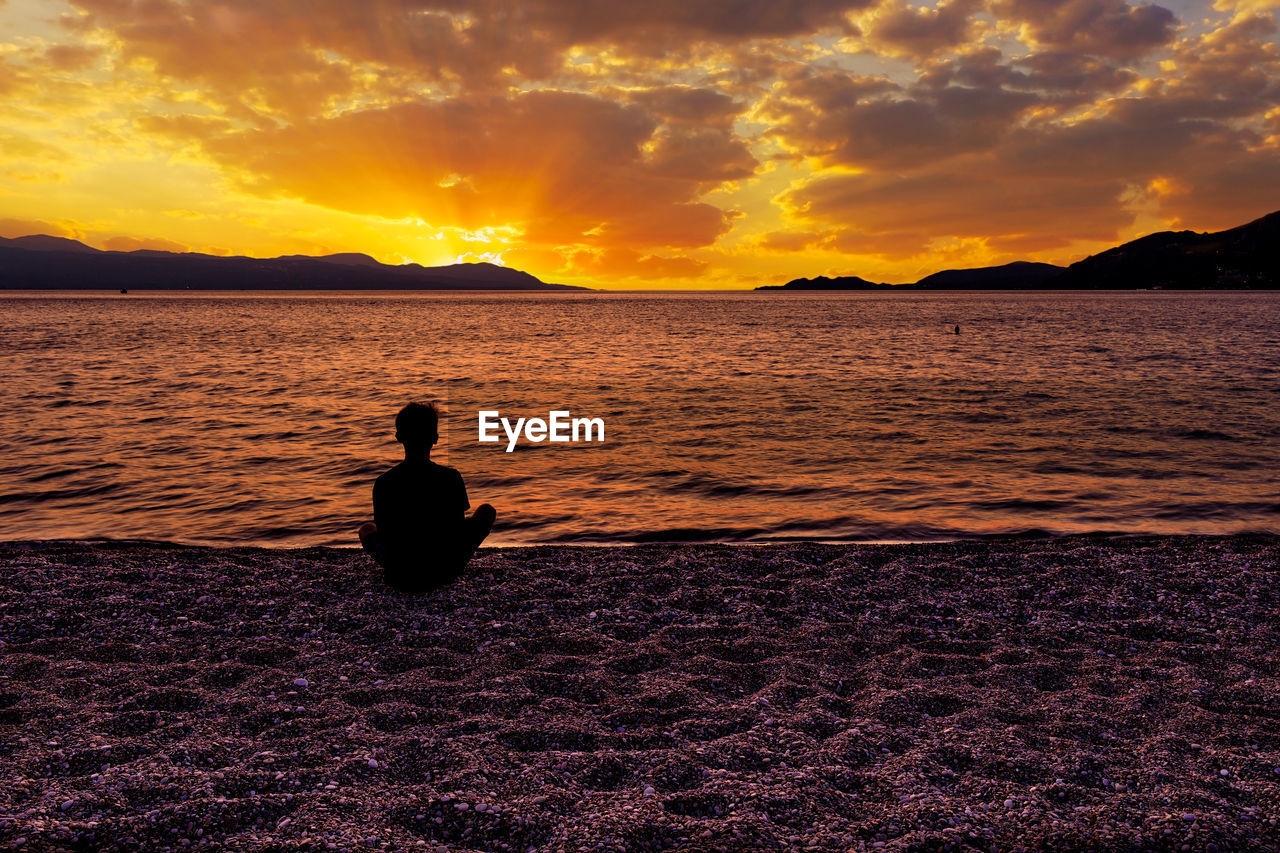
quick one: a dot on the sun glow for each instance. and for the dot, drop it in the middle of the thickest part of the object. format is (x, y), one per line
(631, 150)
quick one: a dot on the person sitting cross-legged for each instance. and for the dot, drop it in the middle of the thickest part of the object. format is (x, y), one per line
(420, 533)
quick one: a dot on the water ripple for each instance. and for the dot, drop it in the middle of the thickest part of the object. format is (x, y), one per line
(264, 418)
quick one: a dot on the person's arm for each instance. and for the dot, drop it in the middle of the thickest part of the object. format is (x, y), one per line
(378, 510)
(463, 501)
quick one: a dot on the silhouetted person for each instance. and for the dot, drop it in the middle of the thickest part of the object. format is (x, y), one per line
(957, 330)
(420, 532)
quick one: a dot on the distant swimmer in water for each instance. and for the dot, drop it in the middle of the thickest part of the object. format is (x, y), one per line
(957, 330)
(420, 533)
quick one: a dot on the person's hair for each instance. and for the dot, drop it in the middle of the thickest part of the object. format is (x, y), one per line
(418, 423)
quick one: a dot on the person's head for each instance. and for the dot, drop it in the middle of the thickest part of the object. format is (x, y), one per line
(418, 426)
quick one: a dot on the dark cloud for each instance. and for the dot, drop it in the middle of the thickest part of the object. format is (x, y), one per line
(587, 22)
(1121, 144)
(688, 105)
(1055, 71)
(707, 154)
(921, 30)
(292, 53)
(1062, 79)
(1046, 182)
(870, 123)
(963, 203)
(251, 56)
(1102, 27)
(1237, 65)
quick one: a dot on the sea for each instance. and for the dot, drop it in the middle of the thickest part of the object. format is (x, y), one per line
(236, 418)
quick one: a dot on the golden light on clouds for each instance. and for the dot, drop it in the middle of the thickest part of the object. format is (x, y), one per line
(638, 145)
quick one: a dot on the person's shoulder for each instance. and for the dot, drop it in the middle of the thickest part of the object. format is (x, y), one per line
(395, 472)
(444, 472)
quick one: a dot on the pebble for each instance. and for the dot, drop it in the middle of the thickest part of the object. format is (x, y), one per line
(768, 789)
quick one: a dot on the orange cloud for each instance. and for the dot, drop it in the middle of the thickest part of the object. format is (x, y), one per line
(133, 244)
(72, 57)
(24, 227)
(562, 168)
(638, 142)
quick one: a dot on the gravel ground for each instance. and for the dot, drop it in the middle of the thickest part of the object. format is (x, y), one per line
(1067, 694)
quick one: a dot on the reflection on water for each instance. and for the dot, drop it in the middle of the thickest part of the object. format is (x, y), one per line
(264, 418)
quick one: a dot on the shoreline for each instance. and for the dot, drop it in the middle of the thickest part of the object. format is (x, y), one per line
(1026, 536)
(1049, 694)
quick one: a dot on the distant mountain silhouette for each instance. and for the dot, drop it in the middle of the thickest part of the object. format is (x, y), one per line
(350, 259)
(1246, 257)
(45, 243)
(844, 282)
(1018, 275)
(41, 262)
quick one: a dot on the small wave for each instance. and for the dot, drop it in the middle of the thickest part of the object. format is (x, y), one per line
(1206, 435)
(1205, 510)
(801, 532)
(59, 494)
(671, 534)
(70, 472)
(280, 534)
(1023, 505)
(722, 489)
(1061, 468)
(983, 417)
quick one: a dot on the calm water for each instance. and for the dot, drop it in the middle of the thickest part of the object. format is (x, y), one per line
(265, 418)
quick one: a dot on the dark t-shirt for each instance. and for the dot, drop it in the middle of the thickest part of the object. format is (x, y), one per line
(419, 508)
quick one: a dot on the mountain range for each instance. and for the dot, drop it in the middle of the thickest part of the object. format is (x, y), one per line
(1243, 258)
(41, 262)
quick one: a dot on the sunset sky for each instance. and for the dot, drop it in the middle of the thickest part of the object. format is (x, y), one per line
(666, 143)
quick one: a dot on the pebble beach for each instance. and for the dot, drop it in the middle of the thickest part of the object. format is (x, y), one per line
(1037, 694)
